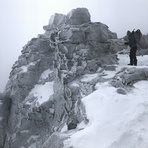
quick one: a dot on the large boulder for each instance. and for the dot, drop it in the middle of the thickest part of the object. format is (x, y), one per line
(97, 32)
(78, 16)
(73, 35)
(128, 76)
(55, 21)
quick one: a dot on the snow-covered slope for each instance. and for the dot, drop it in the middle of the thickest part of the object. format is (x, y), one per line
(115, 120)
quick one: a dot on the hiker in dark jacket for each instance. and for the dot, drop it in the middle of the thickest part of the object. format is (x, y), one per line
(133, 48)
(133, 38)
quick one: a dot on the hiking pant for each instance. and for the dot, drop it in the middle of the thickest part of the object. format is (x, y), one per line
(133, 59)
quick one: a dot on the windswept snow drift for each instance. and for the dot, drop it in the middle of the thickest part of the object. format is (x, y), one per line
(115, 120)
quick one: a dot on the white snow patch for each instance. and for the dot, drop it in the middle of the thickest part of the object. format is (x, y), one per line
(81, 125)
(142, 60)
(89, 77)
(42, 92)
(24, 68)
(75, 84)
(124, 60)
(31, 63)
(33, 138)
(64, 129)
(115, 120)
(109, 116)
(45, 74)
(108, 74)
(1, 118)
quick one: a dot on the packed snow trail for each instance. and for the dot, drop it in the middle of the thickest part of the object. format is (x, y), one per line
(115, 120)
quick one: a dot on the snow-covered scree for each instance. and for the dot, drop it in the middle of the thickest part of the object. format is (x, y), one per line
(115, 120)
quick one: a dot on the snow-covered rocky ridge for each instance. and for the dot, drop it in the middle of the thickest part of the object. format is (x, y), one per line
(115, 120)
(60, 89)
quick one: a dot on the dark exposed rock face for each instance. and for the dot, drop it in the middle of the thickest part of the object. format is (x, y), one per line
(71, 47)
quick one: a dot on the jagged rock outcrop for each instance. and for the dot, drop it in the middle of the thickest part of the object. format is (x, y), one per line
(43, 94)
(78, 16)
(125, 78)
(128, 76)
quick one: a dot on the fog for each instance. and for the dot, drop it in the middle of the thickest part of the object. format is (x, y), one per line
(22, 20)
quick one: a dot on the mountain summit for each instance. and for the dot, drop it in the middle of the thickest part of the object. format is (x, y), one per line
(43, 102)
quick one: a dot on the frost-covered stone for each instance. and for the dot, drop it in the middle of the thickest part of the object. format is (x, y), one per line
(118, 45)
(112, 35)
(72, 35)
(41, 97)
(78, 16)
(128, 76)
(97, 32)
(92, 65)
(57, 19)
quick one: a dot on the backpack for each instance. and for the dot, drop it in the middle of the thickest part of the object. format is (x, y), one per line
(134, 37)
(138, 35)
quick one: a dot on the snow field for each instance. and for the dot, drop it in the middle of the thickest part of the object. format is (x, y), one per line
(115, 120)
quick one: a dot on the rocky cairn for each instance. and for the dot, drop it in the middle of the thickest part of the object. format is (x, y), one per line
(71, 47)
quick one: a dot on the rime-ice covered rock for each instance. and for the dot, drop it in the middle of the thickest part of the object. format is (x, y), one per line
(128, 76)
(78, 16)
(55, 21)
(43, 94)
(97, 32)
(117, 45)
(74, 35)
(112, 35)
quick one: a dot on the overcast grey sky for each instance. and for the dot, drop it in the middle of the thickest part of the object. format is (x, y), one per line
(23, 19)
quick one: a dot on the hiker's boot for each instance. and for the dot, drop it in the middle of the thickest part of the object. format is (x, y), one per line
(131, 62)
(135, 62)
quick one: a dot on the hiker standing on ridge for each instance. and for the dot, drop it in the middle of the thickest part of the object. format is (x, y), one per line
(133, 38)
